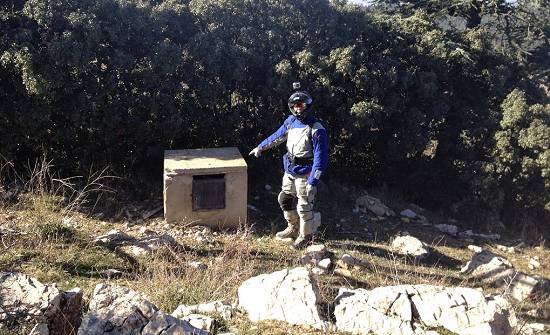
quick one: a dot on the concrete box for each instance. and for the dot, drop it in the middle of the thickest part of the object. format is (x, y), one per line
(205, 186)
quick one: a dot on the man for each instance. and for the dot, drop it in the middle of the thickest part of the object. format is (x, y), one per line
(305, 163)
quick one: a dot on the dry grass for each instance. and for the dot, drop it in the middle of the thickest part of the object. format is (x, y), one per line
(40, 189)
(169, 281)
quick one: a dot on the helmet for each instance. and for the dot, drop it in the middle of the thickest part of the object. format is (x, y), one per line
(297, 97)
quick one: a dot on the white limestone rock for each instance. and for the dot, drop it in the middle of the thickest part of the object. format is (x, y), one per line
(475, 248)
(523, 286)
(116, 309)
(319, 271)
(504, 248)
(25, 298)
(221, 307)
(113, 237)
(149, 243)
(504, 321)
(362, 312)
(119, 310)
(447, 229)
(40, 329)
(136, 250)
(408, 213)
(410, 246)
(389, 310)
(314, 254)
(164, 324)
(368, 203)
(349, 260)
(325, 264)
(317, 251)
(498, 272)
(201, 321)
(534, 263)
(468, 234)
(154, 242)
(487, 265)
(534, 329)
(289, 295)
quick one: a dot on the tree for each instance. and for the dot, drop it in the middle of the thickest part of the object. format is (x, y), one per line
(522, 153)
(518, 29)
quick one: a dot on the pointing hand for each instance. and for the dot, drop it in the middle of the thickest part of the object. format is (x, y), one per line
(255, 152)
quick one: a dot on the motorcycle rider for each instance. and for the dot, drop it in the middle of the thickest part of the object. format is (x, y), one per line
(305, 163)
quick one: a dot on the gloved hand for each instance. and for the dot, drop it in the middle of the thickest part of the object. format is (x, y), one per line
(255, 152)
(311, 191)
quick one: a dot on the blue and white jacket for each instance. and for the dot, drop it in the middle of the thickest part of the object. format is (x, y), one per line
(304, 141)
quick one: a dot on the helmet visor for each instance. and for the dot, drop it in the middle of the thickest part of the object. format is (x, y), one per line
(299, 104)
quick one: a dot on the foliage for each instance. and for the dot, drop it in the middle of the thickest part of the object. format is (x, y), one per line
(54, 231)
(408, 98)
(522, 152)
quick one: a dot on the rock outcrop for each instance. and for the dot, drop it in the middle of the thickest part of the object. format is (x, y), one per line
(497, 271)
(24, 299)
(221, 307)
(120, 310)
(289, 295)
(447, 229)
(317, 259)
(112, 238)
(412, 309)
(147, 242)
(374, 205)
(410, 246)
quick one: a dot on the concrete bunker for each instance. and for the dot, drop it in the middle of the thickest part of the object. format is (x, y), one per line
(205, 186)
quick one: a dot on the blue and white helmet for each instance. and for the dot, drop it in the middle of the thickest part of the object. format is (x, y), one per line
(300, 97)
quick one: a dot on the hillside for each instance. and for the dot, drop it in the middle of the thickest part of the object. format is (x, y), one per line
(42, 239)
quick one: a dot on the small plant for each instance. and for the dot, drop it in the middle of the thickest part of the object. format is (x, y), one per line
(55, 231)
(220, 325)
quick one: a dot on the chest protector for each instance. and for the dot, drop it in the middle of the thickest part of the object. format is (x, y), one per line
(299, 143)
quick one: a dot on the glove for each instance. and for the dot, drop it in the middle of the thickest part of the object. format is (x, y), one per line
(311, 191)
(255, 152)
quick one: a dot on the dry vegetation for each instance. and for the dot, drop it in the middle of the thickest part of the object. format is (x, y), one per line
(47, 228)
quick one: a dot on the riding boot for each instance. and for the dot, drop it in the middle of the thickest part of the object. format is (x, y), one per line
(292, 220)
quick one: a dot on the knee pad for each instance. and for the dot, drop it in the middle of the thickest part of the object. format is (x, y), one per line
(286, 201)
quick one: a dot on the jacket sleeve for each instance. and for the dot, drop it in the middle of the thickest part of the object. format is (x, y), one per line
(320, 156)
(278, 137)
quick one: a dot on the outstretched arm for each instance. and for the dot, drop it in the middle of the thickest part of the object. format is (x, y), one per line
(320, 156)
(278, 137)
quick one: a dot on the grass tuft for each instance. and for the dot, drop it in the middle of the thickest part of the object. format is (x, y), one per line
(55, 231)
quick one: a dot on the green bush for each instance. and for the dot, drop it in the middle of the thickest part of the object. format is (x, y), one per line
(521, 155)
(408, 100)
